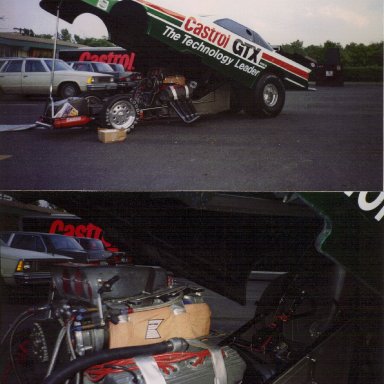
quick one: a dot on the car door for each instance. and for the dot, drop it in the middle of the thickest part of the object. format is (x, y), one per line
(10, 77)
(29, 242)
(36, 78)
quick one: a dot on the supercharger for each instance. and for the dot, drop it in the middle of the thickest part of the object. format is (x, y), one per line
(110, 322)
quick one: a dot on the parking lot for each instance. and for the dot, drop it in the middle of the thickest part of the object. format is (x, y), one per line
(331, 139)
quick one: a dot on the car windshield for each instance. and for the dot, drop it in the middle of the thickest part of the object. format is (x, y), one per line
(60, 65)
(119, 67)
(103, 67)
(243, 31)
(64, 242)
(91, 244)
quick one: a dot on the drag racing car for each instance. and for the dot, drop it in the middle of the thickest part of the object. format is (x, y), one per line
(210, 52)
(159, 95)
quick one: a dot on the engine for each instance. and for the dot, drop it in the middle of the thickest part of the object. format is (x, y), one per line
(159, 91)
(125, 324)
(113, 316)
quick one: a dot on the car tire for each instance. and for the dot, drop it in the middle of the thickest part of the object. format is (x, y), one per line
(267, 98)
(120, 112)
(92, 99)
(67, 90)
(94, 102)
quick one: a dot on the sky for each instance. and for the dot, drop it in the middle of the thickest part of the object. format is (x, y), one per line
(277, 21)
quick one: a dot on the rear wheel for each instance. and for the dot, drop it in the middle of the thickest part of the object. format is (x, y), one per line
(94, 103)
(67, 90)
(92, 99)
(120, 112)
(267, 98)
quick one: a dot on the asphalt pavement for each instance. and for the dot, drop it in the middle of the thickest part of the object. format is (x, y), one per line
(330, 139)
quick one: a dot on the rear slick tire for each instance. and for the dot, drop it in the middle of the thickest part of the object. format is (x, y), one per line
(267, 98)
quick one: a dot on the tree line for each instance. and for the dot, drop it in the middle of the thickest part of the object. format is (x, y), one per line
(65, 35)
(352, 54)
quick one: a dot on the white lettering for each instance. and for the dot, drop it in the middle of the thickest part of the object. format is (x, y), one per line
(246, 68)
(368, 206)
(171, 33)
(215, 53)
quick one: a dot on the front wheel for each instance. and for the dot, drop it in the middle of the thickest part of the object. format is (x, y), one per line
(67, 90)
(267, 98)
(120, 112)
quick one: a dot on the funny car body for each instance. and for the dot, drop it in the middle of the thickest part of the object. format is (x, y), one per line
(209, 52)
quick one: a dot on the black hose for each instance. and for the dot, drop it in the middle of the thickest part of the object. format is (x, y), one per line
(82, 363)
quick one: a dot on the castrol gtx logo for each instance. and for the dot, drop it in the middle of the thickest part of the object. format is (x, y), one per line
(216, 45)
(206, 32)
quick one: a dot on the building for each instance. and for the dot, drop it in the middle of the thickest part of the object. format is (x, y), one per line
(13, 213)
(15, 44)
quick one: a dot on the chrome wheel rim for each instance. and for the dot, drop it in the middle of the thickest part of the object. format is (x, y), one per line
(270, 95)
(122, 114)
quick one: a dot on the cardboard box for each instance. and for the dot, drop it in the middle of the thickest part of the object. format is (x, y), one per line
(111, 135)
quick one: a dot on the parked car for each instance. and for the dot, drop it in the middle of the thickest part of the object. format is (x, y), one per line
(120, 77)
(94, 248)
(123, 73)
(25, 267)
(32, 76)
(118, 68)
(48, 243)
(94, 66)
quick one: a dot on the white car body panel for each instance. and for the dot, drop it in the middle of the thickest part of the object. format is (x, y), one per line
(9, 257)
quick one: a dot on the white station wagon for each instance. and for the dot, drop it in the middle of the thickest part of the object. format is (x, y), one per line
(32, 76)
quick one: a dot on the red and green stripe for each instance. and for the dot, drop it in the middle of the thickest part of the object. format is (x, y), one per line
(284, 65)
(163, 13)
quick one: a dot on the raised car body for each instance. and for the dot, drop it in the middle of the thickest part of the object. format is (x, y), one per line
(223, 44)
(209, 51)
